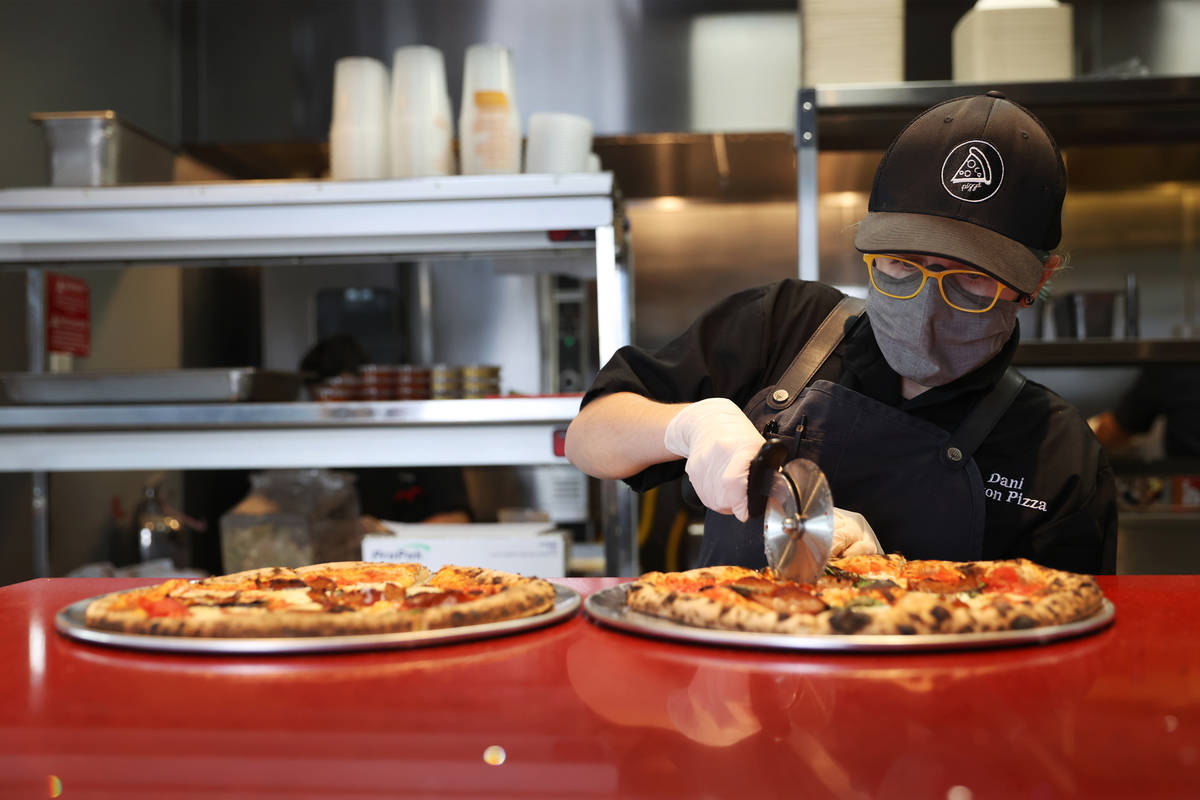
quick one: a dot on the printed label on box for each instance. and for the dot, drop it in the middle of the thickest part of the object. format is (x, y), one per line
(543, 555)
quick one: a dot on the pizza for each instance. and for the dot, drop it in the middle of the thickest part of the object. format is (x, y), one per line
(338, 598)
(875, 594)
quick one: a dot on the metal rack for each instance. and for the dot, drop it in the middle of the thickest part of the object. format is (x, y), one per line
(1107, 353)
(1086, 111)
(305, 222)
(276, 435)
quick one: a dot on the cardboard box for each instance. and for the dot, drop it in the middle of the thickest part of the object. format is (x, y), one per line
(526, 548)
(852, 41)
(995, 41)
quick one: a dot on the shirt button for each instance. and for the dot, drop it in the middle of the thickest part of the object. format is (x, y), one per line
(780, 395)
(954, 454)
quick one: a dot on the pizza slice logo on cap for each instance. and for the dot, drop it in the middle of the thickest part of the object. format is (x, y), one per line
(973, 171)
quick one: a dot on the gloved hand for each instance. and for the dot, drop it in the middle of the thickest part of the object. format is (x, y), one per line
(852, 535)
(719, 442)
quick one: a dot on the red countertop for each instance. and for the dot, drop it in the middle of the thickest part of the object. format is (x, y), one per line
(585, 711)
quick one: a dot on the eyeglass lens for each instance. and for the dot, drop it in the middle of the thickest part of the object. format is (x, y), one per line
(970, 291)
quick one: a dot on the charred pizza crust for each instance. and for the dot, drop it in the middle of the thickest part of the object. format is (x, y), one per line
(339, 598)
(872, 595)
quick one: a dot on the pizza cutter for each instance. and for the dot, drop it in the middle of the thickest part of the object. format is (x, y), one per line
(797, 509)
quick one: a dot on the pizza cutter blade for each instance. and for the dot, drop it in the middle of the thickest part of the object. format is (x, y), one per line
(797, 509)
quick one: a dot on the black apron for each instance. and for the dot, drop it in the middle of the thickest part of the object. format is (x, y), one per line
(916, 484)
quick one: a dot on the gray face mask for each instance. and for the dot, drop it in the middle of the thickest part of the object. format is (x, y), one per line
(929, 342)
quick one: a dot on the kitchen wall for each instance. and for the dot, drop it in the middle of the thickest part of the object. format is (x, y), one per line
(503, 330)
(72, 55)
(1121, 36)
(264, 69)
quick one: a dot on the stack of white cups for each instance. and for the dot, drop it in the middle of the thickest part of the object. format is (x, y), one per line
(489, 126)
(406, 130)
(421, 130)
(558, 143)
(358, 132)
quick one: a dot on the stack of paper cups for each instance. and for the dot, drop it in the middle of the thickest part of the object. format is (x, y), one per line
(421, 130)
(558, 143)
(489, 125)
(358, 132)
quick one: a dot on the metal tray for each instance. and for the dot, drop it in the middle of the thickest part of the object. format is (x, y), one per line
(225, 385)
(70, 622)
(607, 607)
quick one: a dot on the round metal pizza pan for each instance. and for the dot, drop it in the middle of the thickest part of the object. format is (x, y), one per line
(70, 622)
(607, 607)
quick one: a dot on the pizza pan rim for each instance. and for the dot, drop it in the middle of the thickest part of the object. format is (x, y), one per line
(69, 621)
(607, 607)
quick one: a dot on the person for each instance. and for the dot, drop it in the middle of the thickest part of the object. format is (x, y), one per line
(911, 409)
(1170, 391)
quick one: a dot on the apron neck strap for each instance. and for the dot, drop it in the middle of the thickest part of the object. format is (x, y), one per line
(978, 424)
(816, 350)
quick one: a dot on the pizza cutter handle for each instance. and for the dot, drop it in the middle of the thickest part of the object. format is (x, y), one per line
(762, 473)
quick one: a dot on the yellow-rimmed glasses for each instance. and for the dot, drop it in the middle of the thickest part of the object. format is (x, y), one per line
(965, 289)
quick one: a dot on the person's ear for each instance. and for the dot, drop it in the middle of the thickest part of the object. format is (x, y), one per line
(1050, 267)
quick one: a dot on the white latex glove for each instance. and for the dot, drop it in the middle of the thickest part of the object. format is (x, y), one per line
(852, 535)
(719, 442)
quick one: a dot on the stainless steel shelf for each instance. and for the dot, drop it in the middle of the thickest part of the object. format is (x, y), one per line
(1134, 465)
(248, 220)
(1108, 352)
(505, 431)
(1086, 111)
(165, 416)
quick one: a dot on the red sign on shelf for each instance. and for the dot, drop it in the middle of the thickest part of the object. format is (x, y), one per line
(68, 315)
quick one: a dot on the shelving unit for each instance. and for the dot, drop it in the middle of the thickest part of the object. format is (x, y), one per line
(1107, 353)
(563, 217)
(1080, 112)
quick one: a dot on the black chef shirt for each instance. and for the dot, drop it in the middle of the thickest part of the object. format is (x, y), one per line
(1049, 490)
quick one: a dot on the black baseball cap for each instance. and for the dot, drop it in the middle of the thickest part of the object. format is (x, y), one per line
(976, 179)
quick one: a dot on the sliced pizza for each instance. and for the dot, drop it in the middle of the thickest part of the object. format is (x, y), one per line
(872, 595)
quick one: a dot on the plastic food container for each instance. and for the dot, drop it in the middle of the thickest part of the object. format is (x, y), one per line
(97, 148)
(292, 518)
